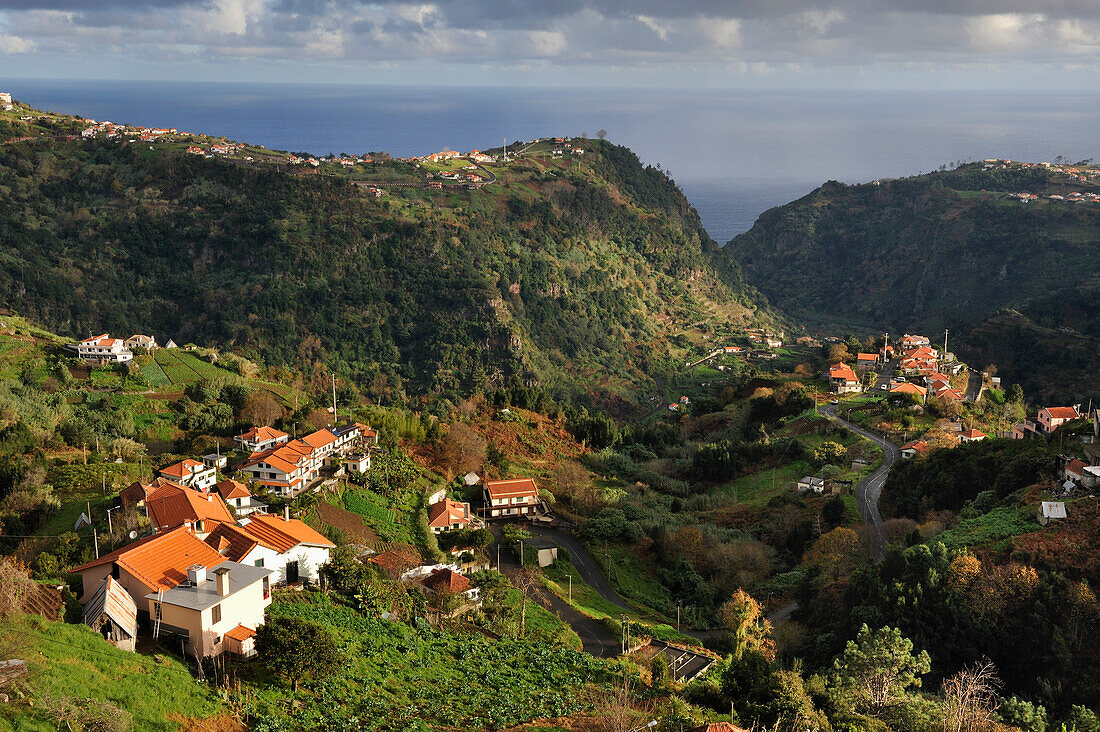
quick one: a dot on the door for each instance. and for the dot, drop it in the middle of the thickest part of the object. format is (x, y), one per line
(292, 571)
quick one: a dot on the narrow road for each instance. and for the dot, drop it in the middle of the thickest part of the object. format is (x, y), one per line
(596, 640)
(869, 490)
(586, 566)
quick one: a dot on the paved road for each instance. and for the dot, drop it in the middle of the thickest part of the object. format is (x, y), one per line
(869, 490)
(597, 640)
(586, 566)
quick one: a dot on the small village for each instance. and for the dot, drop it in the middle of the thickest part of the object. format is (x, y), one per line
(198, 508)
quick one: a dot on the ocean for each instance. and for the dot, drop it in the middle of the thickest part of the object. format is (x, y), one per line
(735, 154)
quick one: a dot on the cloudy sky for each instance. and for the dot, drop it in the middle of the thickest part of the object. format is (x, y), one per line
(696, 43)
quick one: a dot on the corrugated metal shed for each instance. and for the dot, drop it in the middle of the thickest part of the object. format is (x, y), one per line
(112, 611)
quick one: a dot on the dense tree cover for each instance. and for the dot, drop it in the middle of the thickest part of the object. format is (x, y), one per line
(947, 479)
(1038, 627)
(450, 296)
(947, 249)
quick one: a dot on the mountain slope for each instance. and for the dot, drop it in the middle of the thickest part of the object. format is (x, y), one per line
(585, 276)
(946, 250)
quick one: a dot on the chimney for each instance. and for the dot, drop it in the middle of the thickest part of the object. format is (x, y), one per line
(286, 513)
(196, 574)
(221, 575)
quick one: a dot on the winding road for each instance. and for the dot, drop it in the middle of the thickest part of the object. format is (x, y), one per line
(869, 490)
(599, 641)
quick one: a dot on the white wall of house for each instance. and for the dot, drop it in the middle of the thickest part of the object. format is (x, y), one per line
(309, 559)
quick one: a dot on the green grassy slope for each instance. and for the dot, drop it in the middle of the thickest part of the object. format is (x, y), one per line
(566, 273)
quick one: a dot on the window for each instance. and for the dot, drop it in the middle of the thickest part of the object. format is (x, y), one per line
(267, 588)
(216, 614)
(260, 562)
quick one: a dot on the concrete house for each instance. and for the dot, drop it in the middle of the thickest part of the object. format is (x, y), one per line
(843, 379)
(1051, 418)
(517, 497)
(167, 576)
(174, 505)
(240, 499)
(288, 546)
(149, 343)
(104, 348)
(810, 483)
(447, 515)
(259, 439)
(190, 473)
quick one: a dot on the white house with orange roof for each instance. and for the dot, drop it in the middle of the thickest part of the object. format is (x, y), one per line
(516, 497)
(184, 588)
(104, 348)
(259, 439)
(972, 435)
(190, 473)
(290, 547)
(448, 515)
(240, 499)
(843, 379)
(174, 505)
(288, 467)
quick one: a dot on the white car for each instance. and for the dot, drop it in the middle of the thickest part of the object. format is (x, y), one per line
(884, 387)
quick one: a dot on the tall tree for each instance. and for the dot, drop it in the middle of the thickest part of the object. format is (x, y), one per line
(878, 667)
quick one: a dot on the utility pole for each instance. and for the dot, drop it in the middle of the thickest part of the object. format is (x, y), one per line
(95, 540)
(570, 588)
(945, 342)
(677, 616)
(521, 552)
(498, 556)
(334, 400)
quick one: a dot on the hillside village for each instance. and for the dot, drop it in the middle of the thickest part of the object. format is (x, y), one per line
(194, 537)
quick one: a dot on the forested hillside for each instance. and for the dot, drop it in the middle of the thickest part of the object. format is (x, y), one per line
(953, 249)
(582, 276)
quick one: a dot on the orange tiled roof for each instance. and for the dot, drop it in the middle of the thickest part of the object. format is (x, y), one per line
(319, 439)
(842, 371)
(261, 434)
(160, 561)
(448, 512)
(171, 505)
(1062, 412)
(182, 469)
(447, 580)
(908, 388)
(919, 445)
(511, 488)
(282, 535)
(240, 633)
(973, 434)
(231, 542)
(867, 356)
(395, 560)
(230, 488)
